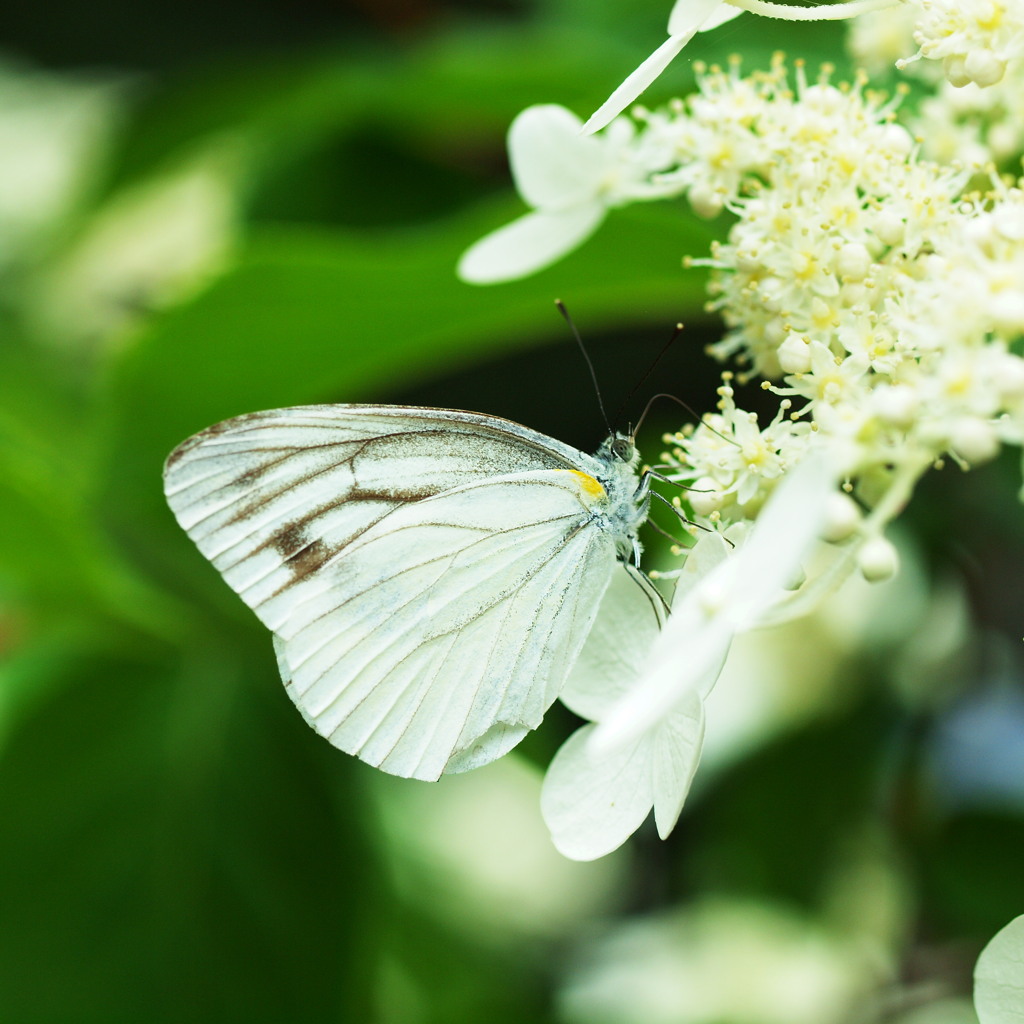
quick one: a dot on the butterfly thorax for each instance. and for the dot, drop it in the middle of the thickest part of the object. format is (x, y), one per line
(626, 507)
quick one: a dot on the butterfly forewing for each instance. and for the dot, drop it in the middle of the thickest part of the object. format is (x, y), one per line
(430, 575)
(270, 497)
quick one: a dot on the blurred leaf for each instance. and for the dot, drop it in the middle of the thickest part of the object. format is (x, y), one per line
(969, 868)
(455, 90)
(479, 982)
(776, 824)
(175, 849)
(44, 473)
(56, 557)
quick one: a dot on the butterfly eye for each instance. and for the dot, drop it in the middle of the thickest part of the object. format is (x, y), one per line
(622, 449)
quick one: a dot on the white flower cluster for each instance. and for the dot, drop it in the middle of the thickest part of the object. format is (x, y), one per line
(884, 298)
(974, 125)
(878, 298)
(688, 17)
(974, 39)
(962, 122)
(876, 295)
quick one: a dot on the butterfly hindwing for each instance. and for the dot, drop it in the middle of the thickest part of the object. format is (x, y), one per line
(443, 635)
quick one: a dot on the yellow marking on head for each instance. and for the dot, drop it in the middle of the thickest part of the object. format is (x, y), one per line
(589, 485)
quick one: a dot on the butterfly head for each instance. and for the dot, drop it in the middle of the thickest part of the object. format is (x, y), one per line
(618, 449)
(627, 502)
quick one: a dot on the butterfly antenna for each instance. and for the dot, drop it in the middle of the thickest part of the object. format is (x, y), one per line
(689, 408)
(650, 369)
(586, 356)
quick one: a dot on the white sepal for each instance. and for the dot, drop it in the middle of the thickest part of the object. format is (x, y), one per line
(529, 243)
(592, 805)
(553, 165)
(686, 19)
(564, 176)
(686, 12)
(733, 596)
(636, 83)
(676, 754)
(999, 977)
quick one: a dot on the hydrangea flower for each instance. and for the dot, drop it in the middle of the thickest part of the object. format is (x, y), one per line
(877, 293)
(593, 804)
(974, 39)
(570, 180)
(877, 298)
(645, 690)
(688, 17)
(999, 977)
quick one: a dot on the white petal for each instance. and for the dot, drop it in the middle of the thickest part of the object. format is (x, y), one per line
(710, 551)
(833, 564)
(617, 648)
(724, 13)
(687, 18)
(690, 651)
(690, 15)
(999, 977)
(791, 520)
(593, 805)
(684, 663)
(528, 244)
(677, 747)
(637, 81)
(553, 165)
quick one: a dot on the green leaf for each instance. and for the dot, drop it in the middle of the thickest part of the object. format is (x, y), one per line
(776, 824)
(968, 869)
(179, 846)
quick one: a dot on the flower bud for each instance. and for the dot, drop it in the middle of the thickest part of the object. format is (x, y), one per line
(1010, 380)
(1007, 310)
(842, 518)
(984, 67)
(878, 560)
(705, 497)
(896, 404)
(974, 441)
(853, 262)
(889, 227)
(955, 71)
(795, 354)
(705, 202)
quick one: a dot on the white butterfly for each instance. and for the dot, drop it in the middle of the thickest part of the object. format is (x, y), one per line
(430, 576)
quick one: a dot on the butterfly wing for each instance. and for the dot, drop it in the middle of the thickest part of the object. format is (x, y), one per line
(270, 497)
(421, 569)
(443, 635)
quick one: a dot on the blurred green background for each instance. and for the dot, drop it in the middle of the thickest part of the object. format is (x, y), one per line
(211, 209)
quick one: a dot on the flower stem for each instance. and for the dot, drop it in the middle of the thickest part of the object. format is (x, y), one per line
(896, 496)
